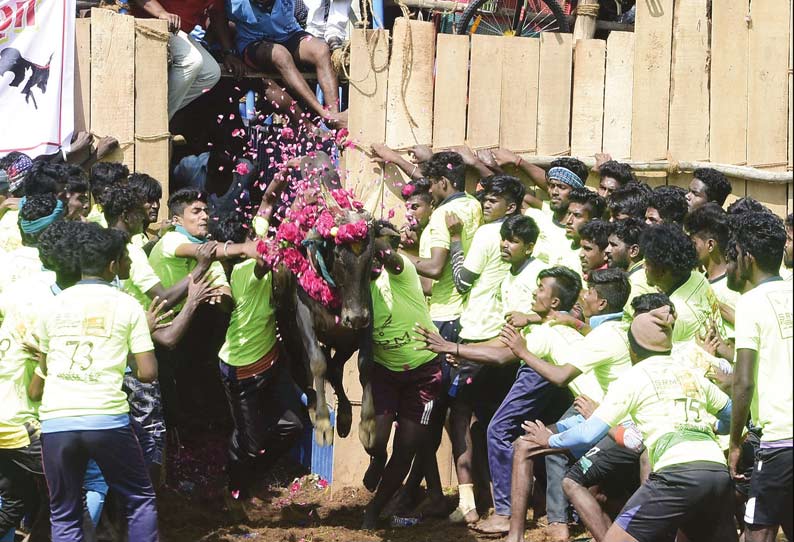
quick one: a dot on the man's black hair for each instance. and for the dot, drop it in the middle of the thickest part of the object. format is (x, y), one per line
(43, 178)
(505, 186)
(611, 285)
(670, 202)
(597, 231)
(229, 227)
(520, 227)
(76, 180)
(59, 250)
(100, 247)
(763, 236)
(629, 230)
(594, 202)
(747, 205)
(667, 246)
(105, 174)
(574, 164)
(182, 198)
(420, 188)
(710, 220)
(148, 187)
(717, 185)
(567, 285)
(648, 302)
(120, 199)
(447, 164)
(789, 220)
(619, 171)
(631, 199)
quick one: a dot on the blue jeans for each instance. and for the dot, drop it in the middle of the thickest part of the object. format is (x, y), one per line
(531, 398)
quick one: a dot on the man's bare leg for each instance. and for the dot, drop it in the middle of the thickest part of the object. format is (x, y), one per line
(586, 505)
(460, 434)
(316, 53)
(522, 482)
(617, 534)
(756, 533)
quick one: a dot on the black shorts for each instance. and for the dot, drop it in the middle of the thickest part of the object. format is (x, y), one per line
(615, 469)
(696, 498)
(746, 465)
(770, 501)
(291, 43)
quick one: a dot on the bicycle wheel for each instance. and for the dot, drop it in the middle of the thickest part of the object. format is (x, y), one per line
(524, 18)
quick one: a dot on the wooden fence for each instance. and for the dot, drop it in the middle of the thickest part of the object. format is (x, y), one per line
(121, 89)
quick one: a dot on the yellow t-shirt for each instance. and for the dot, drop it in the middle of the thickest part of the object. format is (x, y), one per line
(669, 403)
(19, 265)
(551, 244)
(10, 238)
(142, 275)
(87, 334)
(695, 304)
(639, 286)
(482, 316)
(445, 302)
(171, 268)
(23, 309)
(252, 328)
(97, 215)
(726, 296)
(398, 304)
(764, 324)
(516, 291)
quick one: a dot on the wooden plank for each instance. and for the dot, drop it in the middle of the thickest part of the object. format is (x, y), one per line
(409, 104)
(618, 94)
(449, 97)
(82, 75)
(790, 200)
(519, 101)
(485, 96)
(729, 50)
(152, 140)
(112, 79)
(587, 114)
(688, 137)
(772, 195)
(767, 93)
(651, 96)
(554, 95)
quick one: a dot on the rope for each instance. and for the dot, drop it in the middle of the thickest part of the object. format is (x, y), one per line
(408, 57)
(587, 10)
(155, 137)
(151, 33)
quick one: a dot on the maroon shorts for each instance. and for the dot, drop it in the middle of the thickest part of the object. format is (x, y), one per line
(410, 395)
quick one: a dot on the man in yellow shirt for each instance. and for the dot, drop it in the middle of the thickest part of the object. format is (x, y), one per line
(623, 251)
(762, 387)
(583, 206)
(103, 176)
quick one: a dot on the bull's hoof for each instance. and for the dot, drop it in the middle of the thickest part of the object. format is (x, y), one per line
(344, 419)
(323, 432)
(366, 433)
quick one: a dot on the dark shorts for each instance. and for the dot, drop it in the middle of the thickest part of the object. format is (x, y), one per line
(615, 469)
(291, 43)
(746, 465)
(410, 395)
(770, 501)
(696, 498)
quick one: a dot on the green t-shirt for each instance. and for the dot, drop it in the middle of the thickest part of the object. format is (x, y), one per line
(482, 316)
(86, 335)
(516, 291)
(252, 328)
(639, 286)
(97, 215)
(727, 297)
(171, 268)
(695, 304)
(764, 324)
(398, 304)
(550, 344)
(604, 353)
(669, 403)
(142, 276)
(445, 302)
(551, 244)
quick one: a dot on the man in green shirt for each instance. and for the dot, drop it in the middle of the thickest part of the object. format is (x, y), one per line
(762, 387)
(623, 251)
(583, 206)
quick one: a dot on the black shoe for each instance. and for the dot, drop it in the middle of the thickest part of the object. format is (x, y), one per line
(335, 43)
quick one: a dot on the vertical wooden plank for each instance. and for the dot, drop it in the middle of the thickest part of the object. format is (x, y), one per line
(485, 91)
(152, 144)
(449, 96)
(409, 104)
(689, 85)
(790, 202)
(82, 75)
(651, 97)
(519, 108)
(587, 114)
(112, 81)
(618, 94)
(554, 94)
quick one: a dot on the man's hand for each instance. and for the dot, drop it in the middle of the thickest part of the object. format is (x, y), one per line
(454, 224)
(421, 153)
(563, 319)
(469, 158)
(536, 433)
(504, 157)
(383, 154)
(433, 341)
(235, 65)
(734, 455)
(584, 405)
(600, 158)
(174, 21)
(199, 290)
(517, 319)
(514, 340)
(204, 256)
(155, 314)
(723, 380)
(408, 237)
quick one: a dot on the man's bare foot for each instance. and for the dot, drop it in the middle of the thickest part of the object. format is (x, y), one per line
(495, 524)
(336, 120)
(105, 146)
(468, 517)
(557, 532)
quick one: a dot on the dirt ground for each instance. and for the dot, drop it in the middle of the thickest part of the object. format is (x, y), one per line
(293, 506)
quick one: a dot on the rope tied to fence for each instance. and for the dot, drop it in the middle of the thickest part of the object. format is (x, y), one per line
(587, 10)
(152, 33)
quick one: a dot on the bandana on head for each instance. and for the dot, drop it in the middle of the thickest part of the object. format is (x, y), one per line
(566, 176)
(32, 227)
(17, 171)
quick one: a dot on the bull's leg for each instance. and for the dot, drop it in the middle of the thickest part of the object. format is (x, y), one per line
(344, 411)
(366, 428)
(323, 430)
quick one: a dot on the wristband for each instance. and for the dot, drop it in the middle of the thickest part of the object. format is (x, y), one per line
(38, 372)
(226, 249)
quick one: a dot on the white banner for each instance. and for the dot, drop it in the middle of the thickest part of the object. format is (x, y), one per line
(36, 75)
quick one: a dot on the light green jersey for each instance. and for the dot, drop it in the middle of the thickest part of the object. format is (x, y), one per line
(552, 245)
(10, 238)
(726, 296)
(97, 215)
(639, 286)
(142, 275)
(695, 305)
(21, 264)
(516, 291)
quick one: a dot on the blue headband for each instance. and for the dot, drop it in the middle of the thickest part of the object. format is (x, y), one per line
(566, 176)
(32, 227)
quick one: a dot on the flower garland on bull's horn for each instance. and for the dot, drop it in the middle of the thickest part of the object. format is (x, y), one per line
(307, 223)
